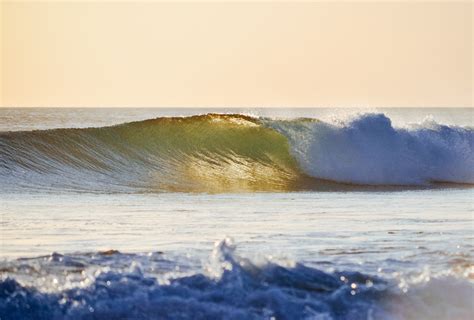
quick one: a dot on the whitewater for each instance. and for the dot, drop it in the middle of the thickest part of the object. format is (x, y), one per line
(236, 213)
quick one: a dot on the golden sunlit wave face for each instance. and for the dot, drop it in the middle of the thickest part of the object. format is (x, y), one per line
(208, 153)
(224, 153)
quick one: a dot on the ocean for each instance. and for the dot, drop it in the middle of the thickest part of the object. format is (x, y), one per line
(226, 213)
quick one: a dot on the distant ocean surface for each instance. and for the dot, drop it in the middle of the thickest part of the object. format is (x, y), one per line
(236, 213)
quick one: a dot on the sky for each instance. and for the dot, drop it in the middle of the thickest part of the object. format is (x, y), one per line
(239, 54)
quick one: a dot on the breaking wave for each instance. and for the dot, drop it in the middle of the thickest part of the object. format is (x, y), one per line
(369, 150)
(230, 153)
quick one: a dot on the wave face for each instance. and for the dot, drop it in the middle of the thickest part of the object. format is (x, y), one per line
(222, 153)
(113, 285)
(201, 153)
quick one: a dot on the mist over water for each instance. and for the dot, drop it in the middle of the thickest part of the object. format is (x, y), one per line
(262, 214)
(26, 119)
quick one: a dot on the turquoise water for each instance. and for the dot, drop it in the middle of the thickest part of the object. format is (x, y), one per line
(357, 253)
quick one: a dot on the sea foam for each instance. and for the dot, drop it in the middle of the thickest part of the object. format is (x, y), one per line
(113, 285)
(369, 150)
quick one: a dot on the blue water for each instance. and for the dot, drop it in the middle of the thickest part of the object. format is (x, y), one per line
(398, 253)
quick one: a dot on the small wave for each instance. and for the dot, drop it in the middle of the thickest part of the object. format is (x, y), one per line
(120, 286)
(232, 153)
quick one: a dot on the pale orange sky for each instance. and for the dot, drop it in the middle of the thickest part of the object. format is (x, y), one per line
(149, 54)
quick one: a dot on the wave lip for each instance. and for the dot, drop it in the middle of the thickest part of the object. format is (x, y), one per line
(368, 150)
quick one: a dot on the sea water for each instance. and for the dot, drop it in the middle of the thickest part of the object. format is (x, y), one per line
(382, 246)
